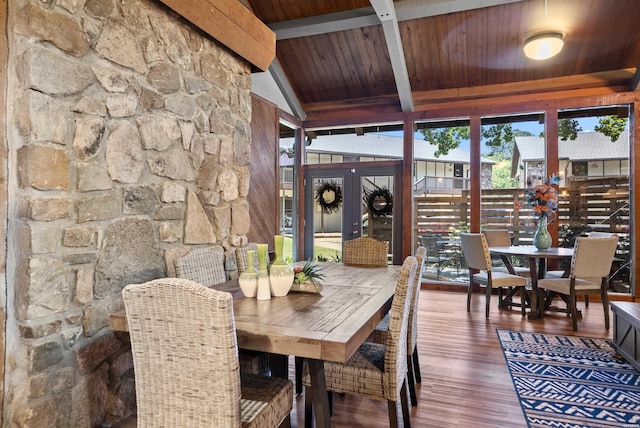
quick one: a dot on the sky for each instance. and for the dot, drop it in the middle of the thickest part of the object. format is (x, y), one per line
(534, 128)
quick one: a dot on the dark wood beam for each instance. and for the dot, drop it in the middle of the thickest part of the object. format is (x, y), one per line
(233, 25)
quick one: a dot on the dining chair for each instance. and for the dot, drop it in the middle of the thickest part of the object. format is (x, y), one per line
(365, 251)
(206, 266)
(379, 335)
(476, 251)
(376, 371)
(501, 238)
(202, 265)
(435, 255)
(589, 272)
(565, 273)
(185, 358)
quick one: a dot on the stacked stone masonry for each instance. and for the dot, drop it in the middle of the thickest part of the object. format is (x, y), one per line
(129, 137)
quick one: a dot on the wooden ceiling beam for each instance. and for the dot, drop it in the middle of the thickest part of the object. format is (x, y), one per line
(233, 25)
(516, 105)
(415, 9)
(594, 80)
(323, 24)
(635, 81)
(279, 76)
(365, 17)
(387, 15)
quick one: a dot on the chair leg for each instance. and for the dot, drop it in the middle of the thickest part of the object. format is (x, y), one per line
(308, 408)
(605, 305)
(411, 381)
(469, 290)
(298, 370)
(586, 300)
(574, 310)
(416, 365)
(393, 414)
(404, 405)
(488, 293)
(523, 300)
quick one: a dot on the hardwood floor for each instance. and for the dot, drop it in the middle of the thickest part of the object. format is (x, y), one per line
(465, 382)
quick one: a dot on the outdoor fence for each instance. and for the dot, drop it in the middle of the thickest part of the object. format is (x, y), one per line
(600, 204)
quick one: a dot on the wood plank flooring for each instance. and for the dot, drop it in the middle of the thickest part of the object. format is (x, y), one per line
(465, 381)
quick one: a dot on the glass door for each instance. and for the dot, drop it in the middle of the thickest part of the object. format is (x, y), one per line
(345, 203)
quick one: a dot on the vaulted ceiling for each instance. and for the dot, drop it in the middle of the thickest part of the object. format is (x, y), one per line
(337, 57)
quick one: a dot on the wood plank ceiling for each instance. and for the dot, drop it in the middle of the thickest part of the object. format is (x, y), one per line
(353, 57)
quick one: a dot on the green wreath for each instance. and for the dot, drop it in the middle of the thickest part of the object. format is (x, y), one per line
(380, 202)
(329, 197)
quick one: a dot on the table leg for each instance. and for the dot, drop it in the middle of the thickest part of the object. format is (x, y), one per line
(534, 314)
(319, 393)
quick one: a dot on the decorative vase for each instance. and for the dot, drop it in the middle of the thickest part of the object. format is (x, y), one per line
(280, 272)
(264, 293)
(248, 280)
(542, 239)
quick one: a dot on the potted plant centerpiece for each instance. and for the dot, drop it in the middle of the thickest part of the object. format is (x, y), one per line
(307, 278)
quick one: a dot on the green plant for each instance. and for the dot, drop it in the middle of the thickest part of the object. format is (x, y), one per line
(309, 271)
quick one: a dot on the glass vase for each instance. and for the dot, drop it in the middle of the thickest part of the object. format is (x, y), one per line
(248, 280)
(280, 272)
(264, 292)
(542, 239)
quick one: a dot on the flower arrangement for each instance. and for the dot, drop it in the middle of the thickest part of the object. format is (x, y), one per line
(542, 197)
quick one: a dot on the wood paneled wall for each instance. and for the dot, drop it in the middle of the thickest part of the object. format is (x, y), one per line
(263, 170)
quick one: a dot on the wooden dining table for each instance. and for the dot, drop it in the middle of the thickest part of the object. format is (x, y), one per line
(318, 327)
(537, 268)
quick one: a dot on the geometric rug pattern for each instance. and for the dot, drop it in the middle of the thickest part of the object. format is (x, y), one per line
(570, 381)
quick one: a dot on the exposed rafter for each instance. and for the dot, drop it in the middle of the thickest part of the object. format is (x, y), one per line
(323, 24)
(358, 18)
(387, 15)
(276, 71)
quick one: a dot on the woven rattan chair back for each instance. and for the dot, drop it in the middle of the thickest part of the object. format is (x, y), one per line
(241, 256)
(203, 265)
(185, 356)
(365, 251)
(412, 340)
(396, 347)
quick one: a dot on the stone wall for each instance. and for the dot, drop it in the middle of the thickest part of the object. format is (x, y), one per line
(128, 143)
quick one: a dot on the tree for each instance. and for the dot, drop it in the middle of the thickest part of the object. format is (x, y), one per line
(446, 139)
(611, 126)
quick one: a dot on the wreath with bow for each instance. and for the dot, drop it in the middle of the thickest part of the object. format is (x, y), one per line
(329, 197)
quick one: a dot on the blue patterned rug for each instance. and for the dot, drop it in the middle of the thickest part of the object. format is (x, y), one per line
(571, 382)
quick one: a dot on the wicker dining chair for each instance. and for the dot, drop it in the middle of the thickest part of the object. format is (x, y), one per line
(501, 238)
(365, 251)
(206, 266)
(377, 371)
(241, 256)
(476, 251)
(185, 359)
(379, 335)
(202, 265)
(590, 267)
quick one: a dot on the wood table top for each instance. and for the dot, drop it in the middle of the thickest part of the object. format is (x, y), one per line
(329, 327)
(531, 251)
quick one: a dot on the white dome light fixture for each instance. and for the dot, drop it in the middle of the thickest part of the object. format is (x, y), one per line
(543, 45)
